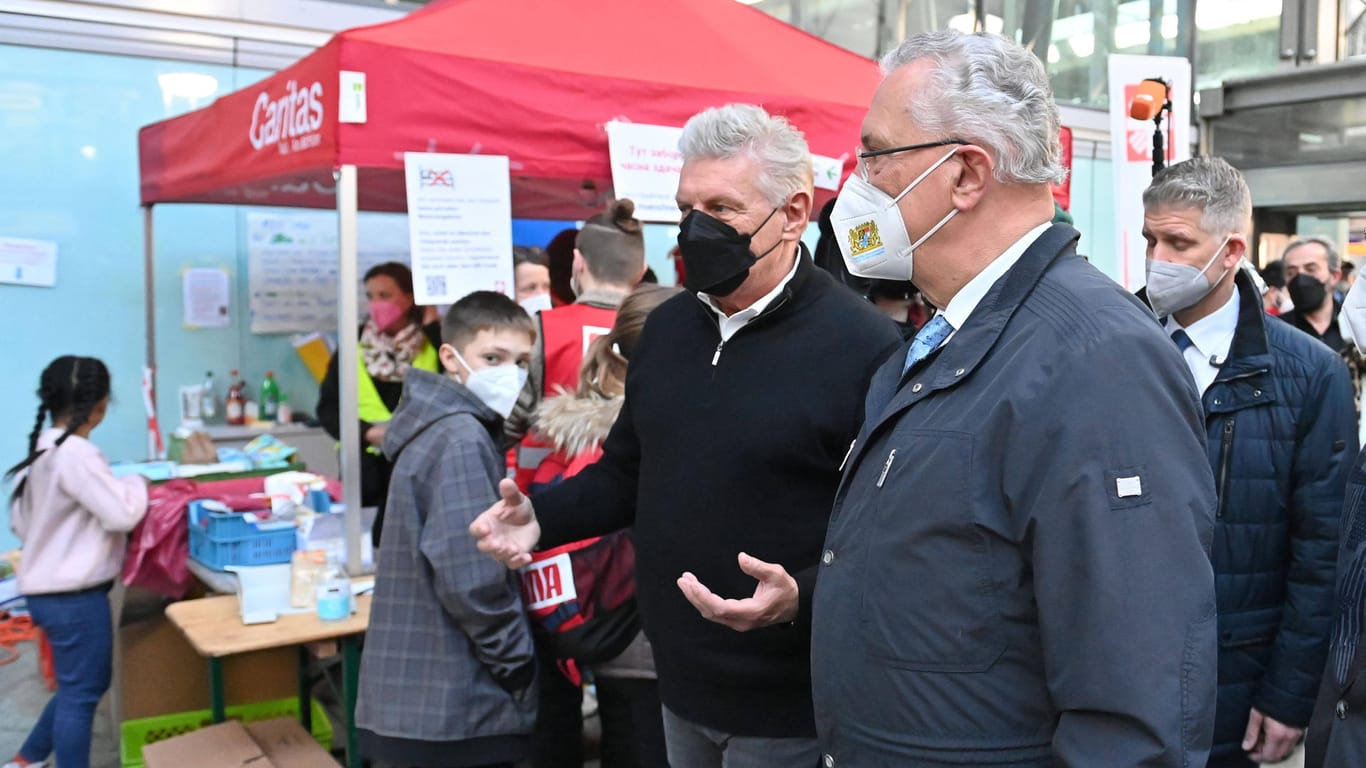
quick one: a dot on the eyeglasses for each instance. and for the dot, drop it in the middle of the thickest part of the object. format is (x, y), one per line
(864, 156)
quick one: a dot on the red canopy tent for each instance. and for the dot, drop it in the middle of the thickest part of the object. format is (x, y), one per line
(535, 80)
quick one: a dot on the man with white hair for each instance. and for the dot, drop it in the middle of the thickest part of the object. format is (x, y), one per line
(741, 399)
(1016, 571)
(1280, 439)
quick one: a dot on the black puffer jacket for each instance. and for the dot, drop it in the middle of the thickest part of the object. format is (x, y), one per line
(1281, 439)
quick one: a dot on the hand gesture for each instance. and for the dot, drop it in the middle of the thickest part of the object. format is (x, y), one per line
(774, 600)
(508, 530)
(1269, 741)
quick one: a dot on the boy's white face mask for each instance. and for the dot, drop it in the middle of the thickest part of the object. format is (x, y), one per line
(497, 385)
(1352, 318)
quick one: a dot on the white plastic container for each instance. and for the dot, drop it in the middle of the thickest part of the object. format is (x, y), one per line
(334, 593)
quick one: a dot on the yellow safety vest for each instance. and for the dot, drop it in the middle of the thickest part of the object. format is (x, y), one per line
(372, 408)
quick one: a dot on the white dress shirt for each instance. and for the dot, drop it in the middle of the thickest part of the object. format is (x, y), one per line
(963, 303)
(1211, 338)
(730, 324)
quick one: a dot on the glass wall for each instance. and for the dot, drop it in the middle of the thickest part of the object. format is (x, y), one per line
(1224, 38)
(1078, 37)
(1352, 23)
(1323, 132)
(1237, 38)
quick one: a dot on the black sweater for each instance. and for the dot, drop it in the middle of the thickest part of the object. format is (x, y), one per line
(722, 450)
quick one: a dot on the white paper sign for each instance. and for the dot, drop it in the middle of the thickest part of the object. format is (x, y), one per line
(28, 262)
(351, 97)
(292, 265)
(1131, 149)
(206, 295)
(459, 225)
(827, 171)
(645, 168)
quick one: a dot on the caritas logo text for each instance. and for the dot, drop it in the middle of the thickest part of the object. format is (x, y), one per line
(290, 122)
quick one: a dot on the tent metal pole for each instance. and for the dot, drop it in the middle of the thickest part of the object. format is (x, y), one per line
(352, 442)
(149, 283)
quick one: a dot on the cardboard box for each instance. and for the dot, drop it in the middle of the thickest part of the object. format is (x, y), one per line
(158, 673)
(279, 743)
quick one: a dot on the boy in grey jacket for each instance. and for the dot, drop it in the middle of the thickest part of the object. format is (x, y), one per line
(447, 675)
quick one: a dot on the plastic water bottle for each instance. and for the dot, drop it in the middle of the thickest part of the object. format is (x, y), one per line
(334, 593)
(270, 398)
(208, 404)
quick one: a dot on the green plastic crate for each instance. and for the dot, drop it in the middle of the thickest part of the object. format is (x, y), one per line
(137, 734)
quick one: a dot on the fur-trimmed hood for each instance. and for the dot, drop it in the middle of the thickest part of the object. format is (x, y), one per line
(575, 424)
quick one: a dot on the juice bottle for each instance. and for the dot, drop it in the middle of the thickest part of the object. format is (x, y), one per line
(235, 407)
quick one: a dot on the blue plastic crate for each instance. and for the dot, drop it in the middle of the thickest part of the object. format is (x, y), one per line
(257, 548)
(222, 526)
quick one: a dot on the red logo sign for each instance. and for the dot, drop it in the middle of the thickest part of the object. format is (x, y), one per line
(431, 177)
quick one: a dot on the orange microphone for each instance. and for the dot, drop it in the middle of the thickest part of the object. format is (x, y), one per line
(1149, 100)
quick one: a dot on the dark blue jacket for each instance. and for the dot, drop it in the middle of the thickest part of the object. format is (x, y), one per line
(1337, 731)
(1282, 434)
(1017, 566)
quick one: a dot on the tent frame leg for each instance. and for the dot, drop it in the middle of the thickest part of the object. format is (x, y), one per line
(352, 442)
(149, 288)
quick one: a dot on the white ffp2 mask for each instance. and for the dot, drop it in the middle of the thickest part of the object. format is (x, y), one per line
(498, 386)
(1174, 287)
(870, 232)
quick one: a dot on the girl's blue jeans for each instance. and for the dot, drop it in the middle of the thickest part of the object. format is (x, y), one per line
(80, 630)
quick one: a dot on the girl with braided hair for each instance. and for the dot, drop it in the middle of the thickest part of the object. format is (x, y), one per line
(73, 516)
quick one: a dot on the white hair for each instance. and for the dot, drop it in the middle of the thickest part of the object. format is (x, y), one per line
(1209, 184)
(992, 92)
(776, 146)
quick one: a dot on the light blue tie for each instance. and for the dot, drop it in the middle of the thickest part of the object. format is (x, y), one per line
(927, 340)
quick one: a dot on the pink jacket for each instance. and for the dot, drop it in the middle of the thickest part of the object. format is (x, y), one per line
(74, 517)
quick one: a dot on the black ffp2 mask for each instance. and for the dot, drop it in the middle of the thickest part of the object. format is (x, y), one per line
(1307, 293)
(716, 258)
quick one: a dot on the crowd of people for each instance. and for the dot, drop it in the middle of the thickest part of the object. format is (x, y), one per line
(940, 493)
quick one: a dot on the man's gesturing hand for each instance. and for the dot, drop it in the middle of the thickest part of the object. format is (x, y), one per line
(508, 530)
(774, 601)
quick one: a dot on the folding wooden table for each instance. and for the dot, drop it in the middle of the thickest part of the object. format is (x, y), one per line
(214, 628)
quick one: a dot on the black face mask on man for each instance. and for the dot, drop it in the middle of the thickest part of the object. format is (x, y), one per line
(1307, 293)
(716, 258)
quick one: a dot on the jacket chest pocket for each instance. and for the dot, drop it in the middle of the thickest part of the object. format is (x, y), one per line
(928, 602)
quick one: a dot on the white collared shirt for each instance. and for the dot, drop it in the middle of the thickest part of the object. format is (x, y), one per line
(730, 324)
(1211, 339)
(962, 305)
